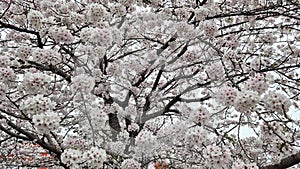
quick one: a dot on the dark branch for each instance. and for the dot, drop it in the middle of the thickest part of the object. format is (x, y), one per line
(285, 162)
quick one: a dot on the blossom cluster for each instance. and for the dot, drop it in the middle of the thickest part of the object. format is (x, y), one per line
(73, 141)
(72, 157)
(201, 13)
(277, 102)
(45, 56)
(257, 83)
(185, 30)
(117, 147)
(118, 9)
(146, 144)
(61, 34)
(37, 104)
(4, 61)
(95, 157)
(46, 122)
(226, 95)
(210, 28)
(98, 117)
(36, 82)
(195, 136)
(245, 100)
(100, 36)
(215, 71)
(95, 12)
(23, 52)
(242, 165)
(217, 156)
(35, 19)
(145, 139)
(199, 115)
(259, 63)
(3, 90)
(83, 83)
(133, 127)
(130, 164)
(7, 74)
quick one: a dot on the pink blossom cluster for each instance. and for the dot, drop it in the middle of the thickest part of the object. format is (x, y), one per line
(185, 31)
(226, 95)
(4, 61)
(201, 13)
(216, 156)
(133, 127)
(210, 28)
(242, 165)
(7, 74)
(37, 104)
(259, 63)
(118, 9)
(257, 83)
(45, 56)
(172, 134)
(116, 147)
(83, 83)
(23, 52)
(95, 157)
(61, 35)
(35, 19)
(268, 38)
(72, 157)
(145, 141)
(36, 82)
(46, 121)
(95, 12)
(245, 100)
(100, 36)
(3, 90)
(73, 141)
(198, 116)
(99, 117)
(215, 71)
(130, 164)
(277, 102)
(274, 133)
(195, 136)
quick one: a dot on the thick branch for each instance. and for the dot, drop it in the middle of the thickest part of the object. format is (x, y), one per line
(285, 162)
(13, 27)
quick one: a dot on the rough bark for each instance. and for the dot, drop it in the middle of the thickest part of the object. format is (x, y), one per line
(285, 162)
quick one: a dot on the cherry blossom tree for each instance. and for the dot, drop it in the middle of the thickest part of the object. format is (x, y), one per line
(197, 84)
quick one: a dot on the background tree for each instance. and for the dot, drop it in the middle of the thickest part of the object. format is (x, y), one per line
(132, 83)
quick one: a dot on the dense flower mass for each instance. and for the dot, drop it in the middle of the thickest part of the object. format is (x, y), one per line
(226, 95)
(36, 82)
(83, 83)
(95, 157)
(130, 164)
(215, 71)
(37, 104)
(45, 56)
(216, 156)
(35, 19)
(72, 157)
(257, 83)
(246, 100)
(277, 102)
(46, 121)
(61, 34)
(132, 84)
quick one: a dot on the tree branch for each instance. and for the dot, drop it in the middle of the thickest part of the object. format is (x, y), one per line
(285, 162)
